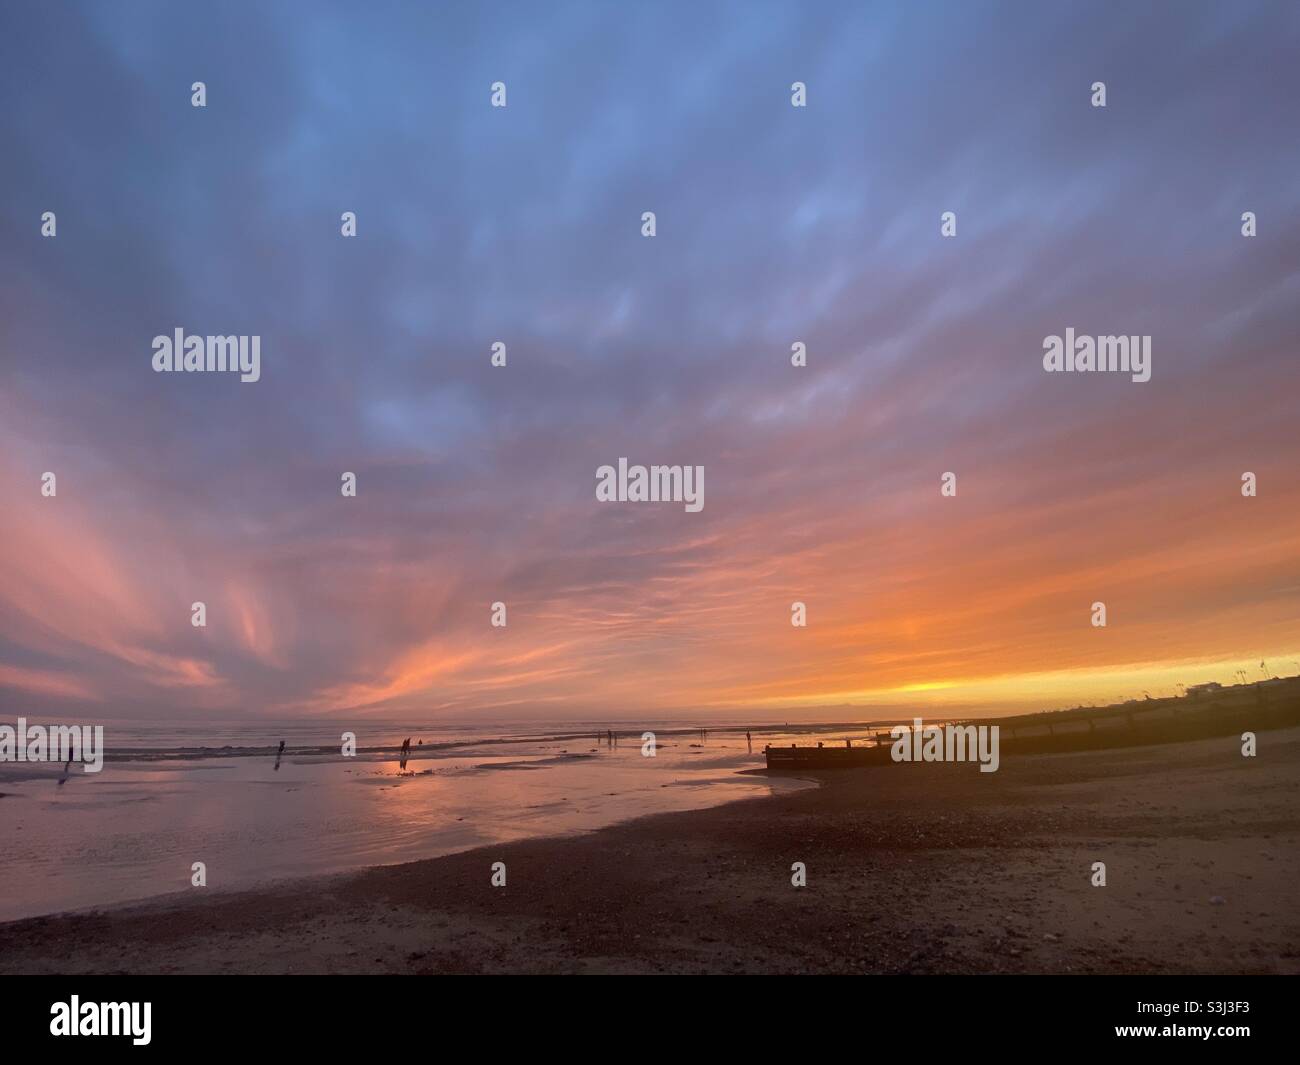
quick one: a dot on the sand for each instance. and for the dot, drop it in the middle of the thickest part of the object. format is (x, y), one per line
(910, 869)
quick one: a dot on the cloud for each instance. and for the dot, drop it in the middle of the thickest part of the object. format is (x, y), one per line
(522, 225)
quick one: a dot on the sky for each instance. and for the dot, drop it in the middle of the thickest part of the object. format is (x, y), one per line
(523, 224)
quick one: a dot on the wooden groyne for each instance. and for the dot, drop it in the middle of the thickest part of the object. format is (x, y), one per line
(820, 757)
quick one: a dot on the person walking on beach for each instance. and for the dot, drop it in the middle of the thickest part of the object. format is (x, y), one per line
(749, 740)
(406, 751)
(278, 755)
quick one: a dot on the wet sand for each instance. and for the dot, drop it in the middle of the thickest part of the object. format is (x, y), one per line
(911, 869)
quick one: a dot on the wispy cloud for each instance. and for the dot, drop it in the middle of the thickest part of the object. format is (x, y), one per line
(522, 225)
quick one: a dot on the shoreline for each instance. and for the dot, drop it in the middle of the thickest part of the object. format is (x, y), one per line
(920, 868)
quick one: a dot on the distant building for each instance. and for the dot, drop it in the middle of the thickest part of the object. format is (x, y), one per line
(1205, 689)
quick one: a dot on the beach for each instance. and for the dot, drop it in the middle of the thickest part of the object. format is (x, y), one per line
(911, 868)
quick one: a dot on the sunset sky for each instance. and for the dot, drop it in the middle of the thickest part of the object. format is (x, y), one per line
(523, 224)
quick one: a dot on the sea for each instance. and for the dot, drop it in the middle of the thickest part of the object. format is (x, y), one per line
(167, 798)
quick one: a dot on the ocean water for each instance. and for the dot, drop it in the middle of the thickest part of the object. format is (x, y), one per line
(167, 798)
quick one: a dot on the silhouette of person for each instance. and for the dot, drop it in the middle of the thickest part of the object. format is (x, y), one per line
(278, 755)
(750, 741)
